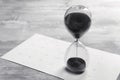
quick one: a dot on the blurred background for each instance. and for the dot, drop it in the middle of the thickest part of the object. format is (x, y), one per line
(20, 19)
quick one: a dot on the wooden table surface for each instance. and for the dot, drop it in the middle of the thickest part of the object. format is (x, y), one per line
(19, 19)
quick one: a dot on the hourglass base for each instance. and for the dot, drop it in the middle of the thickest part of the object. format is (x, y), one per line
(76, 65)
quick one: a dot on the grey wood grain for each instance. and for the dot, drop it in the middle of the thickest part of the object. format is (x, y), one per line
(118, 78)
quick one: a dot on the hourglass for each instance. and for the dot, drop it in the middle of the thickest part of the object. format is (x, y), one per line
(77, 20)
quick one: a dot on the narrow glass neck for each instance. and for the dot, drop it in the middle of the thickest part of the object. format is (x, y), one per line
(78, 42)
(77, 39)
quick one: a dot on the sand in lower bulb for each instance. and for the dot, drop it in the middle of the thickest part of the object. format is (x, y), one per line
(76, 65)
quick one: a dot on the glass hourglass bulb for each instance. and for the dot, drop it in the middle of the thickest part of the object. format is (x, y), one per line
(77, 20)
(76, 57)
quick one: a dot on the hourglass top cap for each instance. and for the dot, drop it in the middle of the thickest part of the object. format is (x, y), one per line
(79, 8)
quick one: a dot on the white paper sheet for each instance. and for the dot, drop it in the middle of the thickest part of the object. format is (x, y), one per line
(47, 55)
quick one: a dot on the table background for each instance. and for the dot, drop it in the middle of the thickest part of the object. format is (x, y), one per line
(19, 19)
